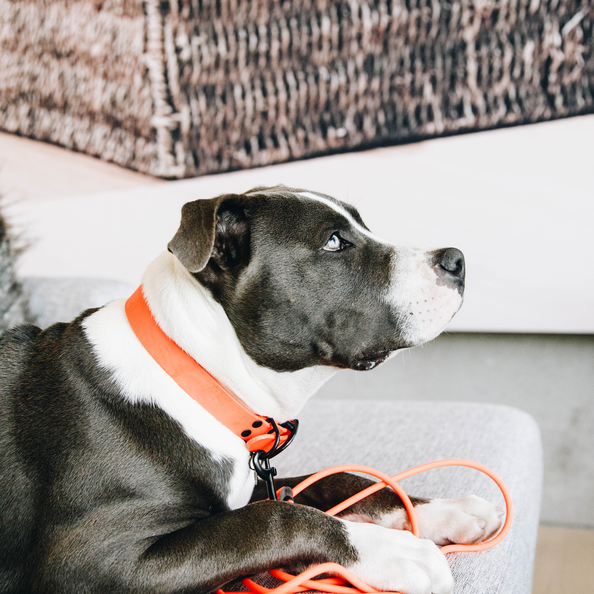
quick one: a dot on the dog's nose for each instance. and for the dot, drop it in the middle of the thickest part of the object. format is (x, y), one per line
(449, 263)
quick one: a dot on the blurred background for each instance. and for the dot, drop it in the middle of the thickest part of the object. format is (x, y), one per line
(446, 123)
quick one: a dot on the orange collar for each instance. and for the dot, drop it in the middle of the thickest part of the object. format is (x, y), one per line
(257, 431)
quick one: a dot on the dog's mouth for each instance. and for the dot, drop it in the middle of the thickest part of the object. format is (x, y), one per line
(370, 359)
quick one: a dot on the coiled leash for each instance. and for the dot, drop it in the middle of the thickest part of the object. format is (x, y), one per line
(265, 439)
(347, 583)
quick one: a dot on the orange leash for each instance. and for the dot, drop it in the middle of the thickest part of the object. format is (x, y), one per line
(348, 583)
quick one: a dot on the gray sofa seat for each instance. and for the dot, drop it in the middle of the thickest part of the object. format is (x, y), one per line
(393, 436)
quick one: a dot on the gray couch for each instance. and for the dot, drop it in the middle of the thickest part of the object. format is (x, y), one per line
(393, 436)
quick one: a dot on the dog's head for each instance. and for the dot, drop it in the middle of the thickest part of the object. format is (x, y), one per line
(304, 282)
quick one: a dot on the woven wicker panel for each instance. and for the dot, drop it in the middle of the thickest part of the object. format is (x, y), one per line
(201, 86)
(74, 73)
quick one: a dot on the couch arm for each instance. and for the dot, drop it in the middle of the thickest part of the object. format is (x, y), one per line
(52, 300)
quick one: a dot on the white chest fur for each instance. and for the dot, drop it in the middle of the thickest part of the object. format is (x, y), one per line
(141, 379)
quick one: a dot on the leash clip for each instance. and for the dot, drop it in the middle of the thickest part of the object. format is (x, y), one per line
(260, 460)
(261, 464)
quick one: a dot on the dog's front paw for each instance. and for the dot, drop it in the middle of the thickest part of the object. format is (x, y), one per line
(397, 561)
(465, 520)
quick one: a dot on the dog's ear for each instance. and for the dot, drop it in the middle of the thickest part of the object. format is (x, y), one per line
(215, 228)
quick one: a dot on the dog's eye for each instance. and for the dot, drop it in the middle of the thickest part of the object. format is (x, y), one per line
(336, 244)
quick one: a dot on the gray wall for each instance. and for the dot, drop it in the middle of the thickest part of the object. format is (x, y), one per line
(549, 376)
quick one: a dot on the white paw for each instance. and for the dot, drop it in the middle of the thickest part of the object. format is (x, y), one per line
(466, 520)
(397, 561)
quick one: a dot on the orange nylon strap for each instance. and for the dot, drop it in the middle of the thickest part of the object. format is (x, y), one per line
(191, 377)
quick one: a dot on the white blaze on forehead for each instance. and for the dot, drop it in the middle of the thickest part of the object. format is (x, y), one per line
(345, 213)
(330, 203)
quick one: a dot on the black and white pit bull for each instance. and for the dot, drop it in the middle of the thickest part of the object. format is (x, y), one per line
(114, 480)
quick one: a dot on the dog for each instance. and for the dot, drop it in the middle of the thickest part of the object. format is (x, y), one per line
(114, 480)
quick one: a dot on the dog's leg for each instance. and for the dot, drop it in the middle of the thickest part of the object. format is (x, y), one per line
(208, 553)
(464, 520)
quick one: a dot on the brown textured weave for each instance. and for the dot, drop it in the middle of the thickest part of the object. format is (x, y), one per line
(198, 86)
